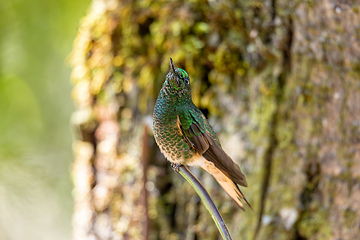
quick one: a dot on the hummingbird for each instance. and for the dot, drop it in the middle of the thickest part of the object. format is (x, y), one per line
(185, 136)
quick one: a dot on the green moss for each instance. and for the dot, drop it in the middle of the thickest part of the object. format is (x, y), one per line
(350, 218)
(314, 225)
(285, 134)
(355, 9)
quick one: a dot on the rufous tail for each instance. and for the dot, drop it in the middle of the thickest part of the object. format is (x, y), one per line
(227, 184)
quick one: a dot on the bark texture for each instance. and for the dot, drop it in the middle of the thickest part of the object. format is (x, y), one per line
(279, 81)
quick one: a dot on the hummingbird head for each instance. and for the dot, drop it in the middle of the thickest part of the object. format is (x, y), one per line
(178, 82)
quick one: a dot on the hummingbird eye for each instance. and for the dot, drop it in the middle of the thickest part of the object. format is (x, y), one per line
(182, 74)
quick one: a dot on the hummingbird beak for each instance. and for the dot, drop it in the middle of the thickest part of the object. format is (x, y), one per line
(172, 67)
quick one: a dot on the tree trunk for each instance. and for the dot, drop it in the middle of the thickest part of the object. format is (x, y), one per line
(279, 81)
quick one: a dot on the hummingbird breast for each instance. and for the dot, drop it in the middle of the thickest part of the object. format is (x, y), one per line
(168, 134)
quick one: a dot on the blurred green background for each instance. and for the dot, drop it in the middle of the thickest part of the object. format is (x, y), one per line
(35, 103)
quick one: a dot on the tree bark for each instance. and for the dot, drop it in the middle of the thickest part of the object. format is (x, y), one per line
(279, 81)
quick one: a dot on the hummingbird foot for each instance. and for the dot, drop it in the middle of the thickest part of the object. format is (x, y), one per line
(175, 167)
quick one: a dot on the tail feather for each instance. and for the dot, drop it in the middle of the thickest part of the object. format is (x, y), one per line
(226, 183)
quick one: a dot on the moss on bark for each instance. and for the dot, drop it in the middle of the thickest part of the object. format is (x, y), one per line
(278, 81)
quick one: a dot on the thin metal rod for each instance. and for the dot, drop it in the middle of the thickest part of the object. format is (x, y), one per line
(205, 197)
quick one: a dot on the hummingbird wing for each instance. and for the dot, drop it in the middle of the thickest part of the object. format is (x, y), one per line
(200, 135)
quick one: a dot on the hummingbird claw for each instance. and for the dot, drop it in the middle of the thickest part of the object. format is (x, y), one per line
(175, 167)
